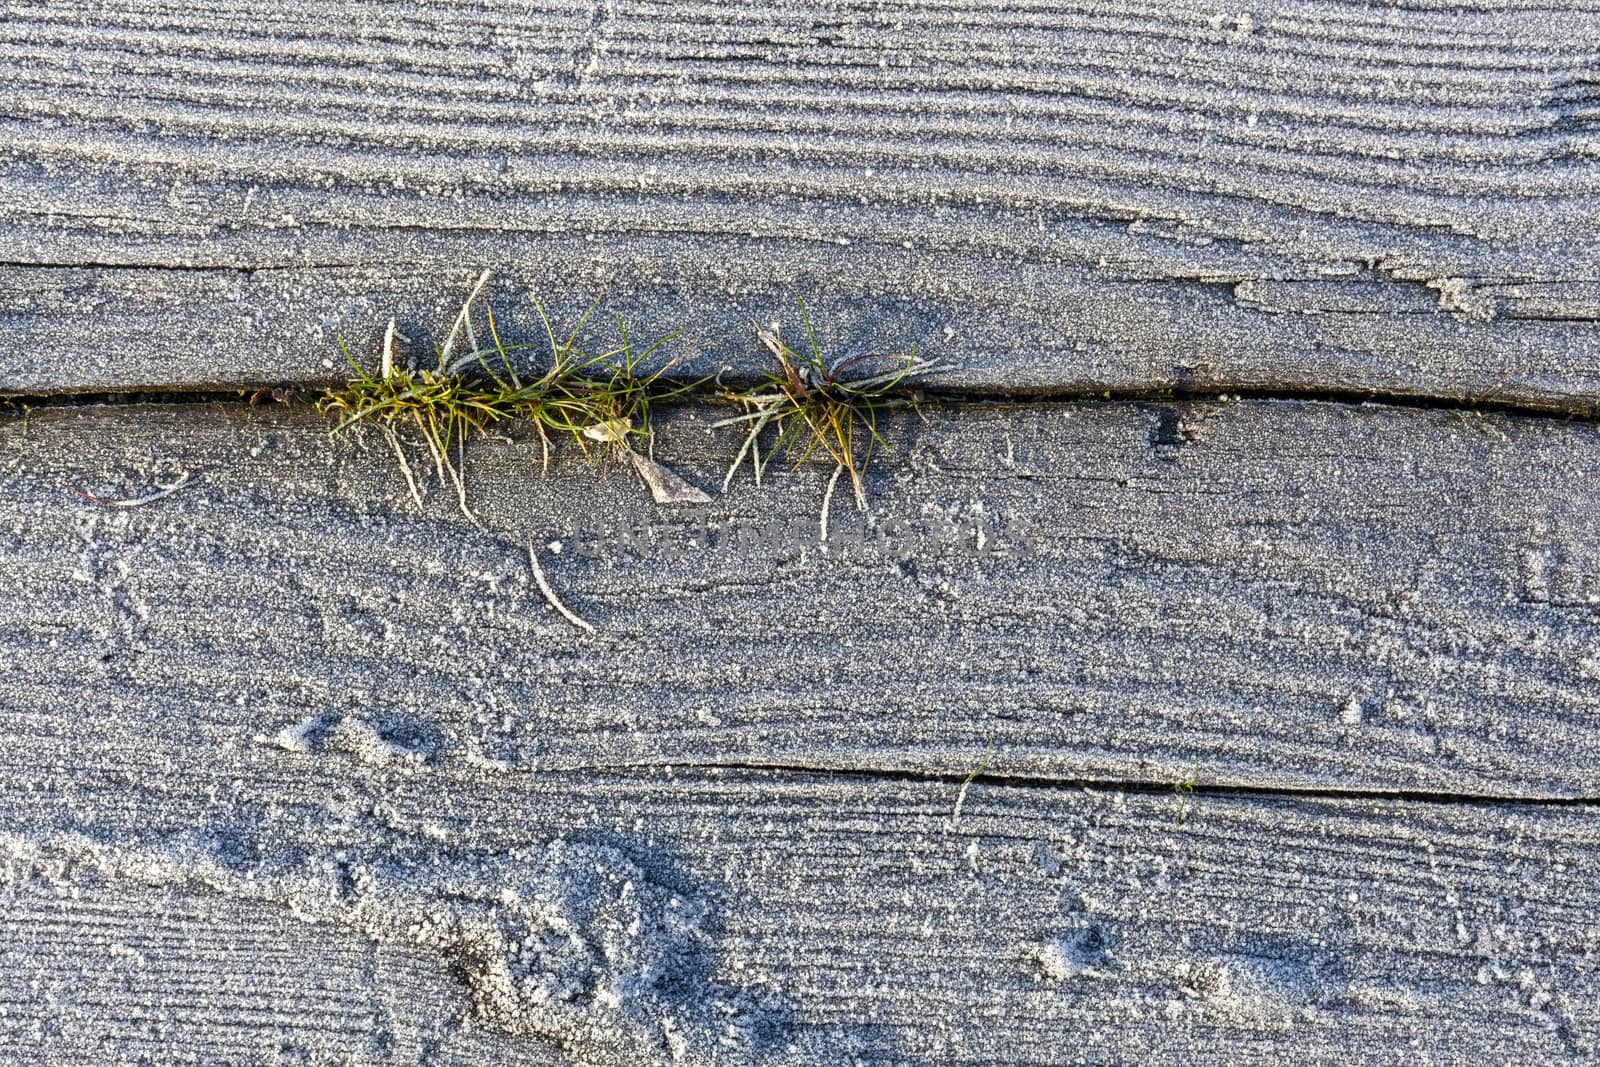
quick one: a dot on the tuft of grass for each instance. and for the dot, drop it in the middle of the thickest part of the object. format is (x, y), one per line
(607, 397)
(813, 404)
(599, 398)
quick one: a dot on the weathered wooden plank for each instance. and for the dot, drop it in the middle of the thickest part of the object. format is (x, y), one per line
(704, 917)
(1298, 595)
(1059, 197)
(123, 971)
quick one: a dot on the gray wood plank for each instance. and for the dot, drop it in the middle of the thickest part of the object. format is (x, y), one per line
(705, 917)
(98, 971)
(1058, 197)
(1285, 594)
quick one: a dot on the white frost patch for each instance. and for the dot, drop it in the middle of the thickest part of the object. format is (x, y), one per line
(362, 740)
(1458, 295)
(570, 942)
(1081, 953)
(1055, 962)
(1243, 986)
(296, 737)
(378, 742)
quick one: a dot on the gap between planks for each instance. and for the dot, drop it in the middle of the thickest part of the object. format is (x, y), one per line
(257, 394)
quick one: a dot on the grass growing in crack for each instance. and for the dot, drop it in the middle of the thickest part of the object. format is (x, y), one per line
(597, 399)
(607, 397)
(813, 404)
(603, 402)
(1185, 790)
(441, 407)
(19, 409)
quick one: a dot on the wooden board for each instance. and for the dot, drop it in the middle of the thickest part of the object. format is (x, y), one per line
(252, 904)
(1162, 726)
(1280, 594)
(1060, 199)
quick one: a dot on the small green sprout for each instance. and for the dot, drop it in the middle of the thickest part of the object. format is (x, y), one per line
(1185, 790)
(814, 406)
(966, 783)
(17, 407)
(1470, 414)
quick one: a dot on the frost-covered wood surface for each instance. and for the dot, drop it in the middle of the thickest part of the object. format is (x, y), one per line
(298, 774)
(1297, 595)
(262, 904)
(1316, 196)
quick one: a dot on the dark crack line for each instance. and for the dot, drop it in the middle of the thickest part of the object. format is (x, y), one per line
(957, 779)
(191, 268)
(1342, 397)
(301, 393)
(182, 268)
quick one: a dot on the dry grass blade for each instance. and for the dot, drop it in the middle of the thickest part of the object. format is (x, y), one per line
(463, 320)
(827, 503)
(139, 501)
(550, 594)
